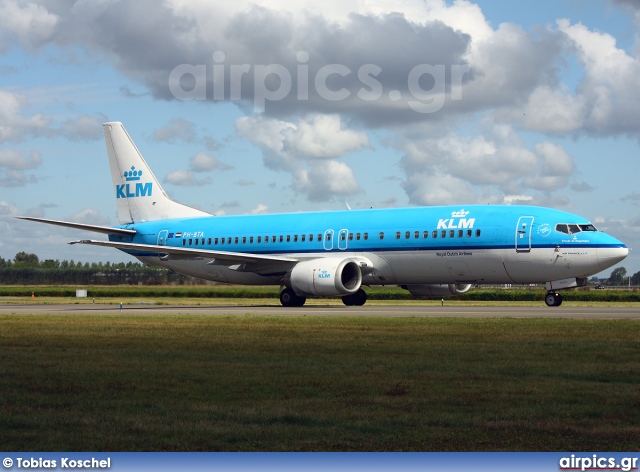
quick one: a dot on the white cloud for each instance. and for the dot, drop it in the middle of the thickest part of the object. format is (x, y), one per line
(178, 129)
(322, 136)
(185, 178)
(261, 208)
(481, 168)
(14, 126)
(306, 149)
(203, 162)
(326, 180)
(84, 128)
(89, 216)
(12, 159)
(30, 23)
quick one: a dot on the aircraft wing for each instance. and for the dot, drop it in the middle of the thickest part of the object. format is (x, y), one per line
(94, 228)
(220, 257)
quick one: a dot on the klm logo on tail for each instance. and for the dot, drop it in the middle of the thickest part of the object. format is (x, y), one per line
(137, 189)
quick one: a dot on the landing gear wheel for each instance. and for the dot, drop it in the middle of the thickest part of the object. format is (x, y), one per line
(288, 298)
(553, 299)
(356, 299)
(348, 300)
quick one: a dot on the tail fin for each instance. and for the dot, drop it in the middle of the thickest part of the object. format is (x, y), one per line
(139, 196)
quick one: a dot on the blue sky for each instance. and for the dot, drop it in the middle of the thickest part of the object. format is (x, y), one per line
(546, 110)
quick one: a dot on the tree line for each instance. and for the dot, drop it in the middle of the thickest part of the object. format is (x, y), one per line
(28, 269)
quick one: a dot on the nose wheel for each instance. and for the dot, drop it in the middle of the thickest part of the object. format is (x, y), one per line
(553, 299)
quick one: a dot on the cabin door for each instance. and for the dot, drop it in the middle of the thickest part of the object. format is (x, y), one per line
(523, 234)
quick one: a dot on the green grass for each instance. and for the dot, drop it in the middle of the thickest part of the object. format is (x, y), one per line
(249, 383)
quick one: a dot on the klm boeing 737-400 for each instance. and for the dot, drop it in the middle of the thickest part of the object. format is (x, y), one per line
(429, 251)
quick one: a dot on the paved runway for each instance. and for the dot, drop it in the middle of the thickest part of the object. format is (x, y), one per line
(450, 310)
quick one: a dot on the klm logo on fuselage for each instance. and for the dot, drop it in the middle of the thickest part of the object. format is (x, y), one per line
(458, 220)
(133, 189)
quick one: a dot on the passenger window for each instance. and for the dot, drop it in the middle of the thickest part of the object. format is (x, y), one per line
(228, 240)
(425, 235)
(266, 239)
(435, 234)
(184, 242)
(259, 239)
(190, 242)
(319, 237)
(328, 237)
(358, 236)
(407, 235)
(451, 233)
(209, 241)
(443, 234)
(469, 233)
(281, 238)
(288, 238)
(196, 241)
(235, 240)
(477, 233)
(310, 237)
(250, 239)
(244, 240)
(381, 235)
(416, 234)
(221, 240)
(202, 242)
(343, 237)
(295, 238)
(398, 235)
(365, 236)
(460, 233)
(302, 238)
(350, 236)
(273, 239)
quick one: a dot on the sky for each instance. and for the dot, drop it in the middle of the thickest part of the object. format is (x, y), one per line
(297, 105)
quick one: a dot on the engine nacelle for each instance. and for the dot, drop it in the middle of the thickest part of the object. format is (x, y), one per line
(328, 276)
(437, 290)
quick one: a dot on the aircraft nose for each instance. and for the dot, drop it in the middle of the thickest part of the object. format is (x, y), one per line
(610, 251)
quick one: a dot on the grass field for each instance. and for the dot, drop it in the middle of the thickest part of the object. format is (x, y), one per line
(248, 383)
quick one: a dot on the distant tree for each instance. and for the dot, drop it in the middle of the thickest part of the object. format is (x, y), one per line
(635, 278)
(26, 259)
(617, 276)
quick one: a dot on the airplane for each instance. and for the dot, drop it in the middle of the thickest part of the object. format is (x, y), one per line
(429, 251)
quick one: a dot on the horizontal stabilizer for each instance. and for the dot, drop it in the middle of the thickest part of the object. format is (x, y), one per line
(185, 253)
(94, 228)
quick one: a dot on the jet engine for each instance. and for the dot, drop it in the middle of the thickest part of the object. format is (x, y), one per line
(437, 290)
(328, 276)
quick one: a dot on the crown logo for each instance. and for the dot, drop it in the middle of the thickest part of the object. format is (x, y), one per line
(133, 174)
(459, 213)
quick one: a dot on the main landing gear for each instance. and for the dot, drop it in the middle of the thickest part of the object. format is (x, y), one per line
(553, 299)
(357, 299)
(289, 298)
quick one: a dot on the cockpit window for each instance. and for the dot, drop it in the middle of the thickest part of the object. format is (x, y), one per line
(572, 228)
